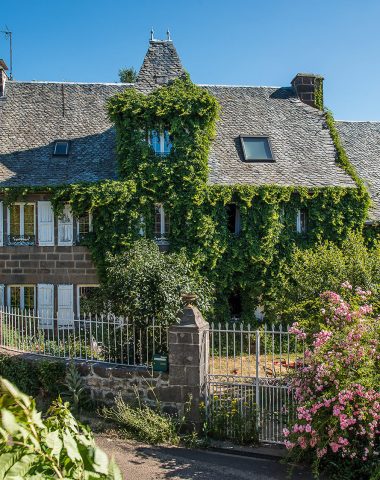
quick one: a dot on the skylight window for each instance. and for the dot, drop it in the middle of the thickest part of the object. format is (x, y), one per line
(256, 149)
(61, 148)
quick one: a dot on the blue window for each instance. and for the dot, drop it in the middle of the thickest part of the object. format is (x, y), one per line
(161, 142)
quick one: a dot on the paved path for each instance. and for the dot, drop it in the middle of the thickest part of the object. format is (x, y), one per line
(144, 462)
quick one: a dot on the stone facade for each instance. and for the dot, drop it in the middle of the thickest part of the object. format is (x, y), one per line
(33, 264)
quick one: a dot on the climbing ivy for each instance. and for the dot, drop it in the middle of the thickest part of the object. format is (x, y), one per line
(246, 262)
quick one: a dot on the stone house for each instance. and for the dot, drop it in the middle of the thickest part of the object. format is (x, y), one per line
(56, 133)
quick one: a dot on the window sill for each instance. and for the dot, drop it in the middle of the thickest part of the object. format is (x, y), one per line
(162, 241)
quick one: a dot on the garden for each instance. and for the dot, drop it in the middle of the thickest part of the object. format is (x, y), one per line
(329, 301)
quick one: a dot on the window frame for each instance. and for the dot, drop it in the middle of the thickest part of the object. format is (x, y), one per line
(83, 285)
(237, 219)
(22, 224)
(299, 229)
(22, 296)
(161, 136)
(55, 154)
(260, 160)
(90, 226)
(164, 219)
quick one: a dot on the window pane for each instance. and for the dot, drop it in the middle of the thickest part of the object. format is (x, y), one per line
(28, 220)
(155, 141)
(61, 148)
(256, 148)
(167, 225)
(86, 294)
(231, 217)
(167, 142)
(157, 222)
(15, 220)
(84, 225)
(15, 297)
(29, 298)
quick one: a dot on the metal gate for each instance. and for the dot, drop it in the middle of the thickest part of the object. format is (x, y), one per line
(248, 397)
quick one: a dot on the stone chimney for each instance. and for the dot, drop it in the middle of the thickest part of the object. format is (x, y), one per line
(309, 88)
(3, 77)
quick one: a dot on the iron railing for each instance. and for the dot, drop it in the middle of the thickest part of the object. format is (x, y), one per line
(248, 383)
(100, 338)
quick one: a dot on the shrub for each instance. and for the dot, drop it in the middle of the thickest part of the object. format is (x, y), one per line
(55, 447)
(144, 284)
(323, 267)
(33, 377)
(144, 423)
(337, 392)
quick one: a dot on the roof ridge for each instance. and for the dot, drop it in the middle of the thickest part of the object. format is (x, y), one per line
(358, 121)
(67, 83)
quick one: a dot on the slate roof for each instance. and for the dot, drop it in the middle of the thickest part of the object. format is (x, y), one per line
(301, 143)
(361, 141)
(34, 115)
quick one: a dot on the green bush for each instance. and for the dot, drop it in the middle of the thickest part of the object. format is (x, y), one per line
(54, 447)
(33, 377)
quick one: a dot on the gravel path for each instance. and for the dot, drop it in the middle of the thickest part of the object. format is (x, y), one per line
(144, 462)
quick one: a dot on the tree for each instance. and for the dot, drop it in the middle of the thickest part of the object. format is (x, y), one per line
(127, 75)
(145, 284)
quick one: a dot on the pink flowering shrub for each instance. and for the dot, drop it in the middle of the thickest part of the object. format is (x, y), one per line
(337, 393)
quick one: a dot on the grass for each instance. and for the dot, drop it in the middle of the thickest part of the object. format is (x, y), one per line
(245, 365)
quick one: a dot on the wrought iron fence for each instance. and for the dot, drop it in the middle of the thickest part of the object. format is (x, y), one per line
(101, 338)
(248, 384)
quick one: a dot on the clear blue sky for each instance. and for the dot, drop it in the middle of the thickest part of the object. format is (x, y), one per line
(247, 42)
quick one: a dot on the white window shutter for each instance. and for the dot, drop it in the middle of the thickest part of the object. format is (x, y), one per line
(1, 225)
(65, 305)
(65, 227)
(2, 295)
(45, 300)
(45, 224)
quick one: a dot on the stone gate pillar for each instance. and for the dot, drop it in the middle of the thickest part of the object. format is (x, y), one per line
(188, 358)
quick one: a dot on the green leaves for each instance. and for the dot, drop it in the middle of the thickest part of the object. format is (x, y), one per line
(57, 447)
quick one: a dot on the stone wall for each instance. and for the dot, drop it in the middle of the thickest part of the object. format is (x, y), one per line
(34, 264)
(105, 381)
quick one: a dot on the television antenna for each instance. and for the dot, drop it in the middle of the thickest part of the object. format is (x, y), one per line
(8, 34)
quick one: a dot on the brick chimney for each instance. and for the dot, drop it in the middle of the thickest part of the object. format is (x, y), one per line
(309, 88)
(3, 77)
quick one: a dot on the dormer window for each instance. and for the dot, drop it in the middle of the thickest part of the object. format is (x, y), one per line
(161, 142)
(61, 148)
(256, 148)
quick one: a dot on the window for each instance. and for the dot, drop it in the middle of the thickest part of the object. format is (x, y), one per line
(85, 294)
(84, 226)
(161, 142)
(235, 305)
(21, 224)
(302, 221)
(161, 223)
(61, 148)
(233, 218)
(256, 149)
(21, 296)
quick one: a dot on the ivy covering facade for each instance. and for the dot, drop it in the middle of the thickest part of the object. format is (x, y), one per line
(243, 262)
